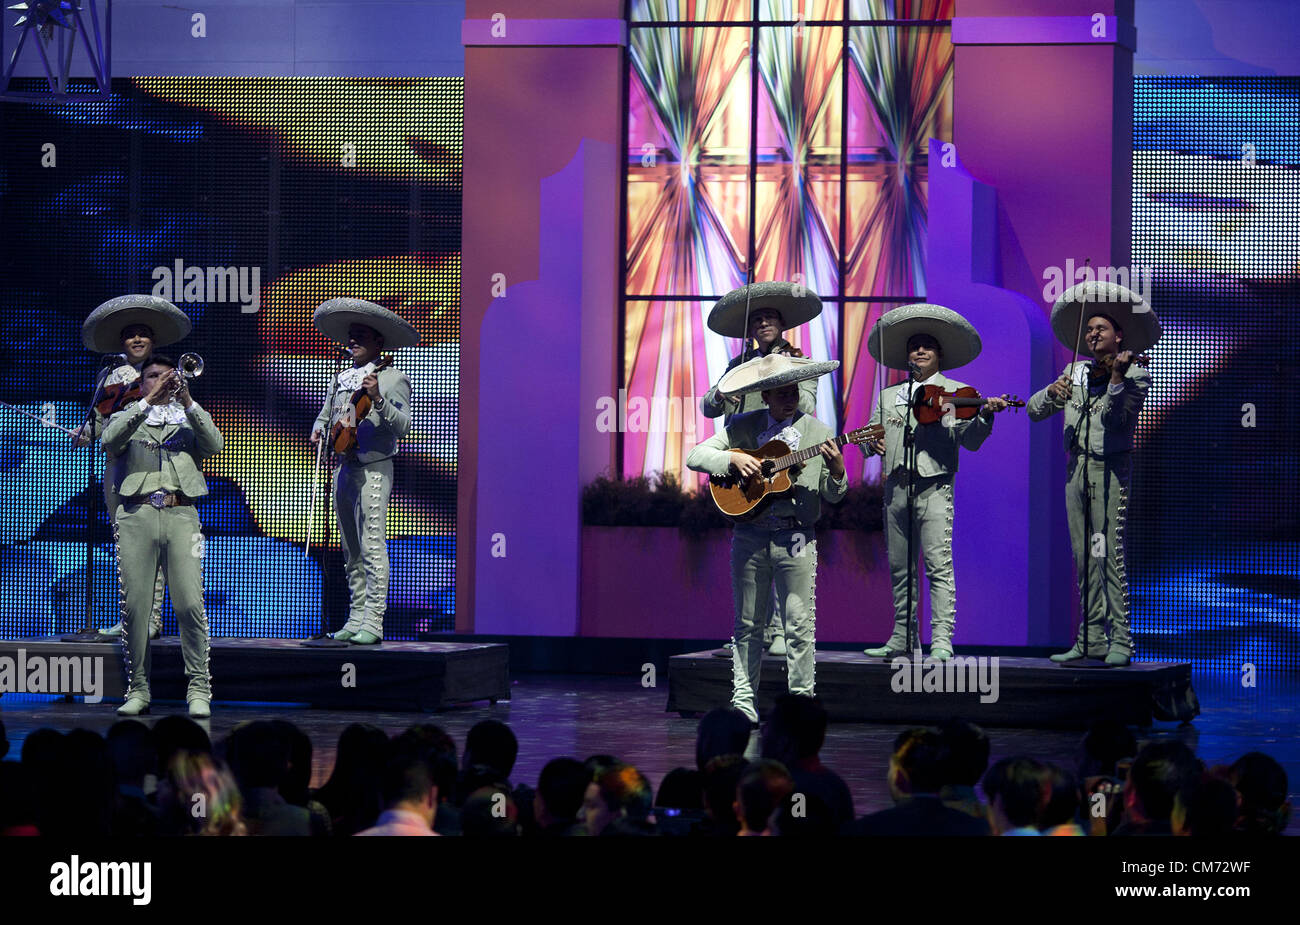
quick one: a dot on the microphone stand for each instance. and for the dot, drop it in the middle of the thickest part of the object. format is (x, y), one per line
(88, 632)
(909, 464)
(1084, 459)
(323, 640)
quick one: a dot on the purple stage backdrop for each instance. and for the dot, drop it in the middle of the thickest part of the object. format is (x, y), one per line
(1022, 160)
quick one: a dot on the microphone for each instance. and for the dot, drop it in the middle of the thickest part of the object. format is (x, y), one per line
(915, 370)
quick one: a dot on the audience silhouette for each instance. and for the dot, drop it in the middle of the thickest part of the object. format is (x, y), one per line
(139, 781)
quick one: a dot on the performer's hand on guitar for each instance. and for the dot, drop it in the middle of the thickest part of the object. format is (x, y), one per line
(371, 385)
(834, 458)
(745, 464)
(1060, 389)
(876, 445)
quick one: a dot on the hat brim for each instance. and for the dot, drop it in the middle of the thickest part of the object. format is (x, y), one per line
(741, 379)
(334, 317)
(102, 329)
(959, 342)
(797, 305)
(1129, 310)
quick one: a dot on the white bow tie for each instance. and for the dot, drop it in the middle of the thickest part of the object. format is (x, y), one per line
(350, 379)
(171, 413)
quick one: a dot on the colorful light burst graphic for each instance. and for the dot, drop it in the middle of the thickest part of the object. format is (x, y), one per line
(789, 141)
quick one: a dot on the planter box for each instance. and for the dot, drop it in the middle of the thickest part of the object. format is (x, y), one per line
(656, 582)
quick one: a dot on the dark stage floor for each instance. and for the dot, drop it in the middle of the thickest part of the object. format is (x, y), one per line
(581, 715)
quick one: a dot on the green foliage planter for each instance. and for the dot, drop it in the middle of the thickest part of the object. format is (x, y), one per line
(660, 501)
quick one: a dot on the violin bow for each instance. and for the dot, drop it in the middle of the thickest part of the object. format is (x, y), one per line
(40, 419)
(1078, 337)
(749, 282)
(330, 399)
(315, 493)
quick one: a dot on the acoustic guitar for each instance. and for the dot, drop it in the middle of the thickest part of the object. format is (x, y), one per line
(744, 498)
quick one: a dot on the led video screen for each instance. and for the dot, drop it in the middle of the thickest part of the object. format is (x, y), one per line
(246, 202)
(1214, 533)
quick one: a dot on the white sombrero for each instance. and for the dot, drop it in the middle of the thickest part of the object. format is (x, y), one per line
(102, 329)
(1128, 309)
(335, 316)
(772, 372)
(797, 305)
(959, 342)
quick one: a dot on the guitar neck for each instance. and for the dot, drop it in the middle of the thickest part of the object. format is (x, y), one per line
(798, 456)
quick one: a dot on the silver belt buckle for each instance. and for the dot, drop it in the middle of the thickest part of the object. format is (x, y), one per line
(158, 499)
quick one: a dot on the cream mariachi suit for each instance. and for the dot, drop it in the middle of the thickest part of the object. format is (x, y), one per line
(780, 546)
(937, 447)
(713, 405)
(362, 487)
(152, 458)
(1109, 435)
(124, 375)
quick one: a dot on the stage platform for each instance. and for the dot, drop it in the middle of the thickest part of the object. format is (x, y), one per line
(402, 676)
(1031, 693)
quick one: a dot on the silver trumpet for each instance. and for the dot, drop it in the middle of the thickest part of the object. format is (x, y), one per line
(190, 365)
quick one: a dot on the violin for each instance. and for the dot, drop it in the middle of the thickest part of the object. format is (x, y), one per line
(117, 396)
(931, 403)
(343, 436)
(1099, 370)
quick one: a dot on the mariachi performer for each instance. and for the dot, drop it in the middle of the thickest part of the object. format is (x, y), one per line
(760, 313)
(1101, 401)
(364, 481)
(923, 339)
(779, 546)
(159, 442)
(135, 325)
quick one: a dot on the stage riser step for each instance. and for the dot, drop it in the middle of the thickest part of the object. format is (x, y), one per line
(395, 676)
(1031, 693)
